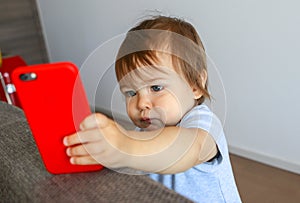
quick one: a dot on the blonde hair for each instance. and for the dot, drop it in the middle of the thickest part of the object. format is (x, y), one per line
(139, 50)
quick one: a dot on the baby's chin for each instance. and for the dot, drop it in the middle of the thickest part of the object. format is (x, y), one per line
(152, 128)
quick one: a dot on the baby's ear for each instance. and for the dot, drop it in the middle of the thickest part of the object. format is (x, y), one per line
(203, 76)
(196, 90)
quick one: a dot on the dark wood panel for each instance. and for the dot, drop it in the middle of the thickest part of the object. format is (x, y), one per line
(15, 10)
(20, 31)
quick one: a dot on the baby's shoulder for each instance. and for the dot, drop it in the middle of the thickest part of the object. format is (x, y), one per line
(198, 113)
(201, 117)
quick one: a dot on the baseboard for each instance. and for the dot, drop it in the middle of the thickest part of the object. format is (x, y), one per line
(265, 159)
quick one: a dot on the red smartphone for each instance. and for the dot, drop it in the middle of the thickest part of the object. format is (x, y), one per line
(54, 102)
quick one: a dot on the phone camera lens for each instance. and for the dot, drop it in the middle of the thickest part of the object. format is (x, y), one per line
(28, 76)
(24, 77)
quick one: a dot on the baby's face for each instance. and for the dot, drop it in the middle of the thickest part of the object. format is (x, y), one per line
(156, 96)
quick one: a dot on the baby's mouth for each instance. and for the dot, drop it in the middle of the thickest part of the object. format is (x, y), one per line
(145, 121)
(151, 123)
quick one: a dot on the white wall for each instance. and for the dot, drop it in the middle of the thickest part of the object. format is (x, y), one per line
(255, 45)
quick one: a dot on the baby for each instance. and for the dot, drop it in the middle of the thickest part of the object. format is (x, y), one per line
(161, 70)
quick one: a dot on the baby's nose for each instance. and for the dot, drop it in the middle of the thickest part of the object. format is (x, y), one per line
(144, 101)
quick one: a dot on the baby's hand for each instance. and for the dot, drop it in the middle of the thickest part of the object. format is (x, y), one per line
(98, 142)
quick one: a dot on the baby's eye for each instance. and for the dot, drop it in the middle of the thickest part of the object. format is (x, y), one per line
(157, 88)
(130, 93)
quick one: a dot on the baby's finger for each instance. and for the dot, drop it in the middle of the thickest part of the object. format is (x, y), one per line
(94, 121)
(82, 137)
(83, 160)
(85, 149)
(77, 151)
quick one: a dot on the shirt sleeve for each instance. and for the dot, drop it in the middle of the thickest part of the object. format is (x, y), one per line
(202, 117)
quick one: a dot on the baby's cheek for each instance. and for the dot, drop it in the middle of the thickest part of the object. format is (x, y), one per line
(133, 118)
(130, 110)
(173, 115)
(175, 118)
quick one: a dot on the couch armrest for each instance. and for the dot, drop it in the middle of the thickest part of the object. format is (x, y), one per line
(23, 177)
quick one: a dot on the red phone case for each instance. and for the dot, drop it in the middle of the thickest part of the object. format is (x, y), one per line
(54, 101)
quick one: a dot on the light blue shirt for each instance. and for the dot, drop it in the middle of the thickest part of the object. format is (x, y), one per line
(210, 181)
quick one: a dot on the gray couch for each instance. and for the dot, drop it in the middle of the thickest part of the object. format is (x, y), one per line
(23, 177)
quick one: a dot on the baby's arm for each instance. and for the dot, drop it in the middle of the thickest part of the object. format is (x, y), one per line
(168, 150)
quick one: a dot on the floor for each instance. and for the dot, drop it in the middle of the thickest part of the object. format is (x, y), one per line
(261, 183)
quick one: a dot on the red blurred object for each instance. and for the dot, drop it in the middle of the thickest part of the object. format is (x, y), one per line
(7, 93)
(53, 99)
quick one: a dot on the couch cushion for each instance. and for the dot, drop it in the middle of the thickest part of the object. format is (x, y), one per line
(23, 177)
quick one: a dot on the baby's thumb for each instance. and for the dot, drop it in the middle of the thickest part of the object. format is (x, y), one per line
(96, 120)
